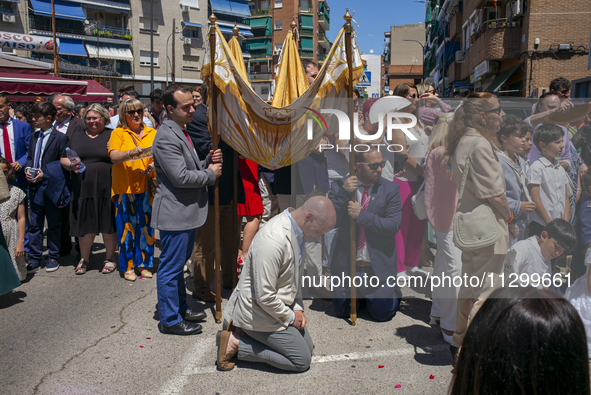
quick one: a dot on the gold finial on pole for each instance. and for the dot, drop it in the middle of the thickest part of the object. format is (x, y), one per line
(212, 18)
(235, 29)
(293, 24)
(348, 17)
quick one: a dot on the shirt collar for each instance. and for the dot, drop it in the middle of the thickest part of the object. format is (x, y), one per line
(8, 121)
(298, 232)
(63, 123)
(547, 163)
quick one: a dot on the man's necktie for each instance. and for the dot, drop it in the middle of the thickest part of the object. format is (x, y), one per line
(6, 140)
(364, 204)
(39, 149)
(188, 138)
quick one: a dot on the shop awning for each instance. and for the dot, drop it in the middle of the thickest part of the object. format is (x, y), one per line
(30, 84)
(232, 7)
(95, 92)
(63, 9)
(109, 51)
(192, 24)
(501, 79)
(259, 22)
(72, 47)
(245, 33)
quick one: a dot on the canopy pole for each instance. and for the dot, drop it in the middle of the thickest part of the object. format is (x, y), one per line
(293, 168)
(213, 130)
(353, 245)
(56, 61)
(236, 225)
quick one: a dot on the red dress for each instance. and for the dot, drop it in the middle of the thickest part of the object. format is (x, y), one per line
(253, 205)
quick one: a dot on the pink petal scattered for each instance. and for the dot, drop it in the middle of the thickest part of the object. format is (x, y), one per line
(141, 346)
(431, 377)
(142, 277)
(148, 338)
(130, 284)
(397, 386)
(380, 366)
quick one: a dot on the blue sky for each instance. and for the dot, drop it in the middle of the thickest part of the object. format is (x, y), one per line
(374, 17)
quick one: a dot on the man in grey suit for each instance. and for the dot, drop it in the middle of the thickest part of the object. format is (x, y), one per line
(179, 207)
(265, 312)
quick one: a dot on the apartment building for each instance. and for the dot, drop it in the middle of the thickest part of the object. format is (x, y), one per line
(403, 55)
(270, 20)
(109, 40)
(510, 47)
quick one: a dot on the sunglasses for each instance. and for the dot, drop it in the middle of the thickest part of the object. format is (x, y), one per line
(374, 166)
(138, 111)
(496, 110)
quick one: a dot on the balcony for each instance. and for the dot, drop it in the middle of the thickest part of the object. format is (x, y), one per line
(259, 54)
(306, 10)
(455, 26)
(306, 31)
(261, 12)
(109, 32)
(323, 41)
(321, 57)
(43, 23)
(306, 54)
(324, 20)
(261, 76)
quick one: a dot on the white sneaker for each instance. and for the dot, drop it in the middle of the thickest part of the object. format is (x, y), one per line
(414, 271)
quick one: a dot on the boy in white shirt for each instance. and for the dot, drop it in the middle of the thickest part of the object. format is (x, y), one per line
(547, 180)
(534, 255)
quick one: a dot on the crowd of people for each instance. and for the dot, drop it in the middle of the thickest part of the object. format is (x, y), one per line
(503, 196)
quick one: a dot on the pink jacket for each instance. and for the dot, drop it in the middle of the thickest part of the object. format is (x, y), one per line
(441, 193)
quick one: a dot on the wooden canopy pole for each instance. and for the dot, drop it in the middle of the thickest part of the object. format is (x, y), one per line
(236, 225)
(353, 245)
(56, 59)
(213, 130)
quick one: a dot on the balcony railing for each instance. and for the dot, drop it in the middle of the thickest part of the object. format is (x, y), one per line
(261, 76)
(321, 57)
(501, 23)
(322, 37)
(254, 12)
(323, 18)
(44, 23)
(305, 10)
(306, 31)
(306, 54)
(109, 32)
(259, 54)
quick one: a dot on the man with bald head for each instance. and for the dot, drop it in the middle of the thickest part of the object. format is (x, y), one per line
(265, 312)
(65, 121)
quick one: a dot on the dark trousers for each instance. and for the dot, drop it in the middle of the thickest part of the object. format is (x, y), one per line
(177, 247)
(54, 224)
(65, 239)
(382, 302)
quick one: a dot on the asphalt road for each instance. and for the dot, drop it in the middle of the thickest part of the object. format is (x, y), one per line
(97, 334)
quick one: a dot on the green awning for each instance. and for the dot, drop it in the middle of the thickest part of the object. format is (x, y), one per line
(259, 22)
(307, 43)
(501, 79)
(308, 21)
(257, 46)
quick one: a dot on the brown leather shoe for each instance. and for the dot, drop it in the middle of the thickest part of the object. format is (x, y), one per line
(223, 357)
(206, 296)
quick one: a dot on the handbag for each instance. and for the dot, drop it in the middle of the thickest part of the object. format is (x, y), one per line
(478, 228)
(418, 203)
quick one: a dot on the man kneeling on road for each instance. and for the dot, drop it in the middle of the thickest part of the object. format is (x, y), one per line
(265, 312)
(377, 213)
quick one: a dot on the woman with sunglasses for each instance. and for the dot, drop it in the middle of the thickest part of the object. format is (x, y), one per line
(409, 240)
(430, 106)
(91, 209)
(130, 190)
(472, 133)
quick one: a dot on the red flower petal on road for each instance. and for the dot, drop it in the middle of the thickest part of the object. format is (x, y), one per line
(148, 338)
(397, 386)
(431, 377)
(380, 366)
(141, 346)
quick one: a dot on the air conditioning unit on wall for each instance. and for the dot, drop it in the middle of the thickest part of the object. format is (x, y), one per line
(186, 41)
(186, 8)
(8, 18)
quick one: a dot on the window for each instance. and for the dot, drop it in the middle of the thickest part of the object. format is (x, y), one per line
(191, 33)
(264, 90)
(7, 7)
(191, 62)
(191, 3)
(278, 46)
(278, 3)
(145, 25)
(278, 25)
(145, 58)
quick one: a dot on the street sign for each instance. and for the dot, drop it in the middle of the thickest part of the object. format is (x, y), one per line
(375, 95)
(365, 79)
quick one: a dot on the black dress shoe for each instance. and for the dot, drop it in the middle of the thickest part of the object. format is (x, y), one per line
(194, 316)
(182, 328)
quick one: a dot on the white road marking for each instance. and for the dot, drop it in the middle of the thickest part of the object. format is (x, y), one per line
(175, 385)
(178, 382)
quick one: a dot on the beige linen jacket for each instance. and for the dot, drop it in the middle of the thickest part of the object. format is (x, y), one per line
(269, 286)
(485, 180)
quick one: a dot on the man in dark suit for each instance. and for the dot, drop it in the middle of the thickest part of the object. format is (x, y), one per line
(68, 124)
(377, 214)
(203, 253)
(46, 148)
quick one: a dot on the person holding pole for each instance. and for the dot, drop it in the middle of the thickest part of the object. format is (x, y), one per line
(180, 207)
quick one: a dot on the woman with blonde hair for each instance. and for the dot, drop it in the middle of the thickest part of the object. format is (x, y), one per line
(130, 189)
(472, 139)
(91, 209)
(441, 198)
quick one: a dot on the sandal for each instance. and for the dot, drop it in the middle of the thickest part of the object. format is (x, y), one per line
(108, 269)
(82, 267)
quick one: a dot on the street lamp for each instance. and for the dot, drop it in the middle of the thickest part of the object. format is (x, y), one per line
(168, 38)
(422, 46)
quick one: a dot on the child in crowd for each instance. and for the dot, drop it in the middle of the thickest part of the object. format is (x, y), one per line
(511, 137)
(579, 294)
(12, 212)
(583, 227)
(547, 180)
(47, 191)
(523, 152)
(534, 255)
